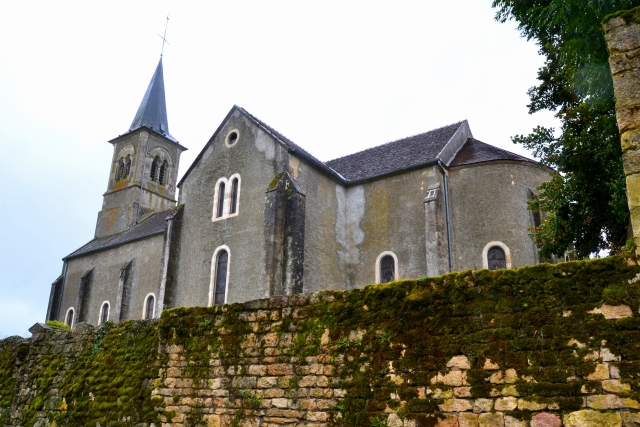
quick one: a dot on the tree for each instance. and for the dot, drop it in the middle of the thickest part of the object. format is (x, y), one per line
(585, 201)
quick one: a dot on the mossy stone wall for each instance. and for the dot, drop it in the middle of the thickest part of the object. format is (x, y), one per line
(537, 346)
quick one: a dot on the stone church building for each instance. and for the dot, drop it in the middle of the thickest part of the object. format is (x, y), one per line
(258, 215)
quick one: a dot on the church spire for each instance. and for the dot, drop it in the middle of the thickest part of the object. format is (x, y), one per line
(152, 112)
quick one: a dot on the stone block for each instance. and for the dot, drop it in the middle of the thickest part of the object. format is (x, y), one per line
(467, 419)
(630, 419)
(446, 420)
(506, 404)
(267, 382)
(495, 419)
(273, 392)
(394, 421)
(630, 140)
(530, 405)
(453, 378)
(482, 405)
(510, 391)
(620, 62)
(326, 404)
(625, 88)
(280, 369)
(307, 381)
(622, 36)
(307, 404)
(615, 386)
(212, 420)
(280, 403)
(628, 118)
(260, 370)
(607, 356)
(590, 418)
(600, 373)
(546, 419)
(317, 416)
(458, 362)
(490, 366)
(510, 421)
(455, 405)
(462, 392)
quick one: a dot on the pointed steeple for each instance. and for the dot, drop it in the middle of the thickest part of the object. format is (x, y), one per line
(152, 112)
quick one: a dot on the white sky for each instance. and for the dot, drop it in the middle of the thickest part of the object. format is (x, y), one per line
(334, 76)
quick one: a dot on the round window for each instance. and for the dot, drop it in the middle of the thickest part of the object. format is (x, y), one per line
(232, 138)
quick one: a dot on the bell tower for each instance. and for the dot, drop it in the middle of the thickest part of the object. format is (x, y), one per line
(144, 166)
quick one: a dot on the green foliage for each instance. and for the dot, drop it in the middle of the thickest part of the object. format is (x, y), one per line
(585, 201)
(378, 422)
(111, 380)
(57, 324)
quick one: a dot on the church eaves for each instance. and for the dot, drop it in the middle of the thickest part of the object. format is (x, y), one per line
(152, 112)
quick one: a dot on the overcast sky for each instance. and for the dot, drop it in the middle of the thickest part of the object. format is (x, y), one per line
(334, 76)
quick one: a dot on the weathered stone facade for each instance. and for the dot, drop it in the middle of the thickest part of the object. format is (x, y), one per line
(424, 205)
(532, 347)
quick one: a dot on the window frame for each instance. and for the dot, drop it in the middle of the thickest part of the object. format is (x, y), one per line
(232, 178)
(378, 266)
(73, 316)
(224, 200)
(212, 281)
(144, 307)
(485, 253)
(100, 321)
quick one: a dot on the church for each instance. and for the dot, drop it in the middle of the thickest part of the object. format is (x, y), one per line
(258, 216)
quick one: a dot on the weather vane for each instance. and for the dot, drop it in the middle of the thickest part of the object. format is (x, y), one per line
(164, 38)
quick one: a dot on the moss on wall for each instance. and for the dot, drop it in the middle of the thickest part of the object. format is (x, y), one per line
(408, 349)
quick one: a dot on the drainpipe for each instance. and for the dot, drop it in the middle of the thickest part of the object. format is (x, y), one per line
(446, 209)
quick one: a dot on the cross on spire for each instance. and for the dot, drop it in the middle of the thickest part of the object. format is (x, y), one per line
(164, 38)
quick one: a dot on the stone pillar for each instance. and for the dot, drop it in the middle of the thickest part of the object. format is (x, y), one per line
(435, 232)
(284, 236)
(622, 33)
(170, 259)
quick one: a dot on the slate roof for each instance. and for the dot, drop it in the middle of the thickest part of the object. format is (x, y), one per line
(474, 151)
(152, 111)
(384, 159)
(392, 156)
(152, 225)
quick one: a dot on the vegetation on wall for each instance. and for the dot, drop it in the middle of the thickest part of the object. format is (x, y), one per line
(585, 200)
(383, 345)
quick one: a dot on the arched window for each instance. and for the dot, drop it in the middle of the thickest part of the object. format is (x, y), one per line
(234, 196)
(163, 173)
(104, 313)
(220, 209)
(496, 258)
(68, 319)
(149, 307)
(496, 255)
(120, 170)
(387, 269)
(127, 165)
(220, 282)
(154, 169)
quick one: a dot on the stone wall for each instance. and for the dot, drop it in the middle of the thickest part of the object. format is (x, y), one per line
(622, 33)
(537, 346)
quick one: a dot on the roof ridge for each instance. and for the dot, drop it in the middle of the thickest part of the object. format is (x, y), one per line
(396, 140)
